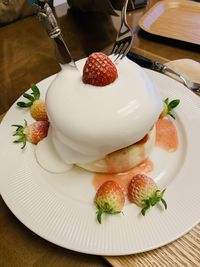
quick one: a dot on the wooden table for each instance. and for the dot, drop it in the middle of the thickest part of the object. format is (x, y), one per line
(20, 247)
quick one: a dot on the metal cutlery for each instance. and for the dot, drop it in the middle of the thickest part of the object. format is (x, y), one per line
(162, 68)
(124, 37)
(49, 22)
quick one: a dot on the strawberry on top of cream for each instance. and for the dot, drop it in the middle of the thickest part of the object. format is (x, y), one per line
(99, 70)
(88, 122)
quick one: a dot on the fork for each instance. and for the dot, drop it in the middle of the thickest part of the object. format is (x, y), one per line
(124, 37)
(164, 69)
(193, 86)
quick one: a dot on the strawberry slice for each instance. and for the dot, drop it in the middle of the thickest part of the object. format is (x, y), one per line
(143, 192)
(32, 133)
(99, 70)
(109, 199)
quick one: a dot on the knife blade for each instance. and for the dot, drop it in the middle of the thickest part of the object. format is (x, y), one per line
(156, 66)
(50, 24)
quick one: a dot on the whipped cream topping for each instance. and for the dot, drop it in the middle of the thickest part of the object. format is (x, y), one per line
(89, 122)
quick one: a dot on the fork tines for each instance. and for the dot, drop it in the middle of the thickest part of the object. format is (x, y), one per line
(124, 37)
(122, 47)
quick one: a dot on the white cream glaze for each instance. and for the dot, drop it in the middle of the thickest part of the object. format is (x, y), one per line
(89, 122)
(124, 159)
(48, 158)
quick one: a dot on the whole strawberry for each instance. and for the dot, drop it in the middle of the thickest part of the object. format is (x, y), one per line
(99, 70)
(32, 133)
(109, 199)
(143, 192)
(36, 105)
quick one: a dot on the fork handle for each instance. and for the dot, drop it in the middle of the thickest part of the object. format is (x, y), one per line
(124, 9)
(157, 66)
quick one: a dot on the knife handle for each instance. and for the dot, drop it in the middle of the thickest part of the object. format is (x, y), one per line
(157, 66)
(140, 60)
(146, 62)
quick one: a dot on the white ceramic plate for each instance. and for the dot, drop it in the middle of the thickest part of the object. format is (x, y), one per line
(60, 207)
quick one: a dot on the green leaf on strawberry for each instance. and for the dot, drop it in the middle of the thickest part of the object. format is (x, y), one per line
(168, 107)
(36, 105)
(153, 200)
(35, 91)
(143, 192)
(109, 199)
(105, 208)
(20, 132)
(29, 97)
(32, 133)
(35, 95)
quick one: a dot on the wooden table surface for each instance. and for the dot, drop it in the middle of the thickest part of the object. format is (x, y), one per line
(21, 247)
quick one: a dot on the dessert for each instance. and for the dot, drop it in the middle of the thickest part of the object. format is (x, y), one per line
(106, 121)
(100, 128)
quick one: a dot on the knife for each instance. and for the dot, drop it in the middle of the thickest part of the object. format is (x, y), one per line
(49, 22)
(156, 66)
